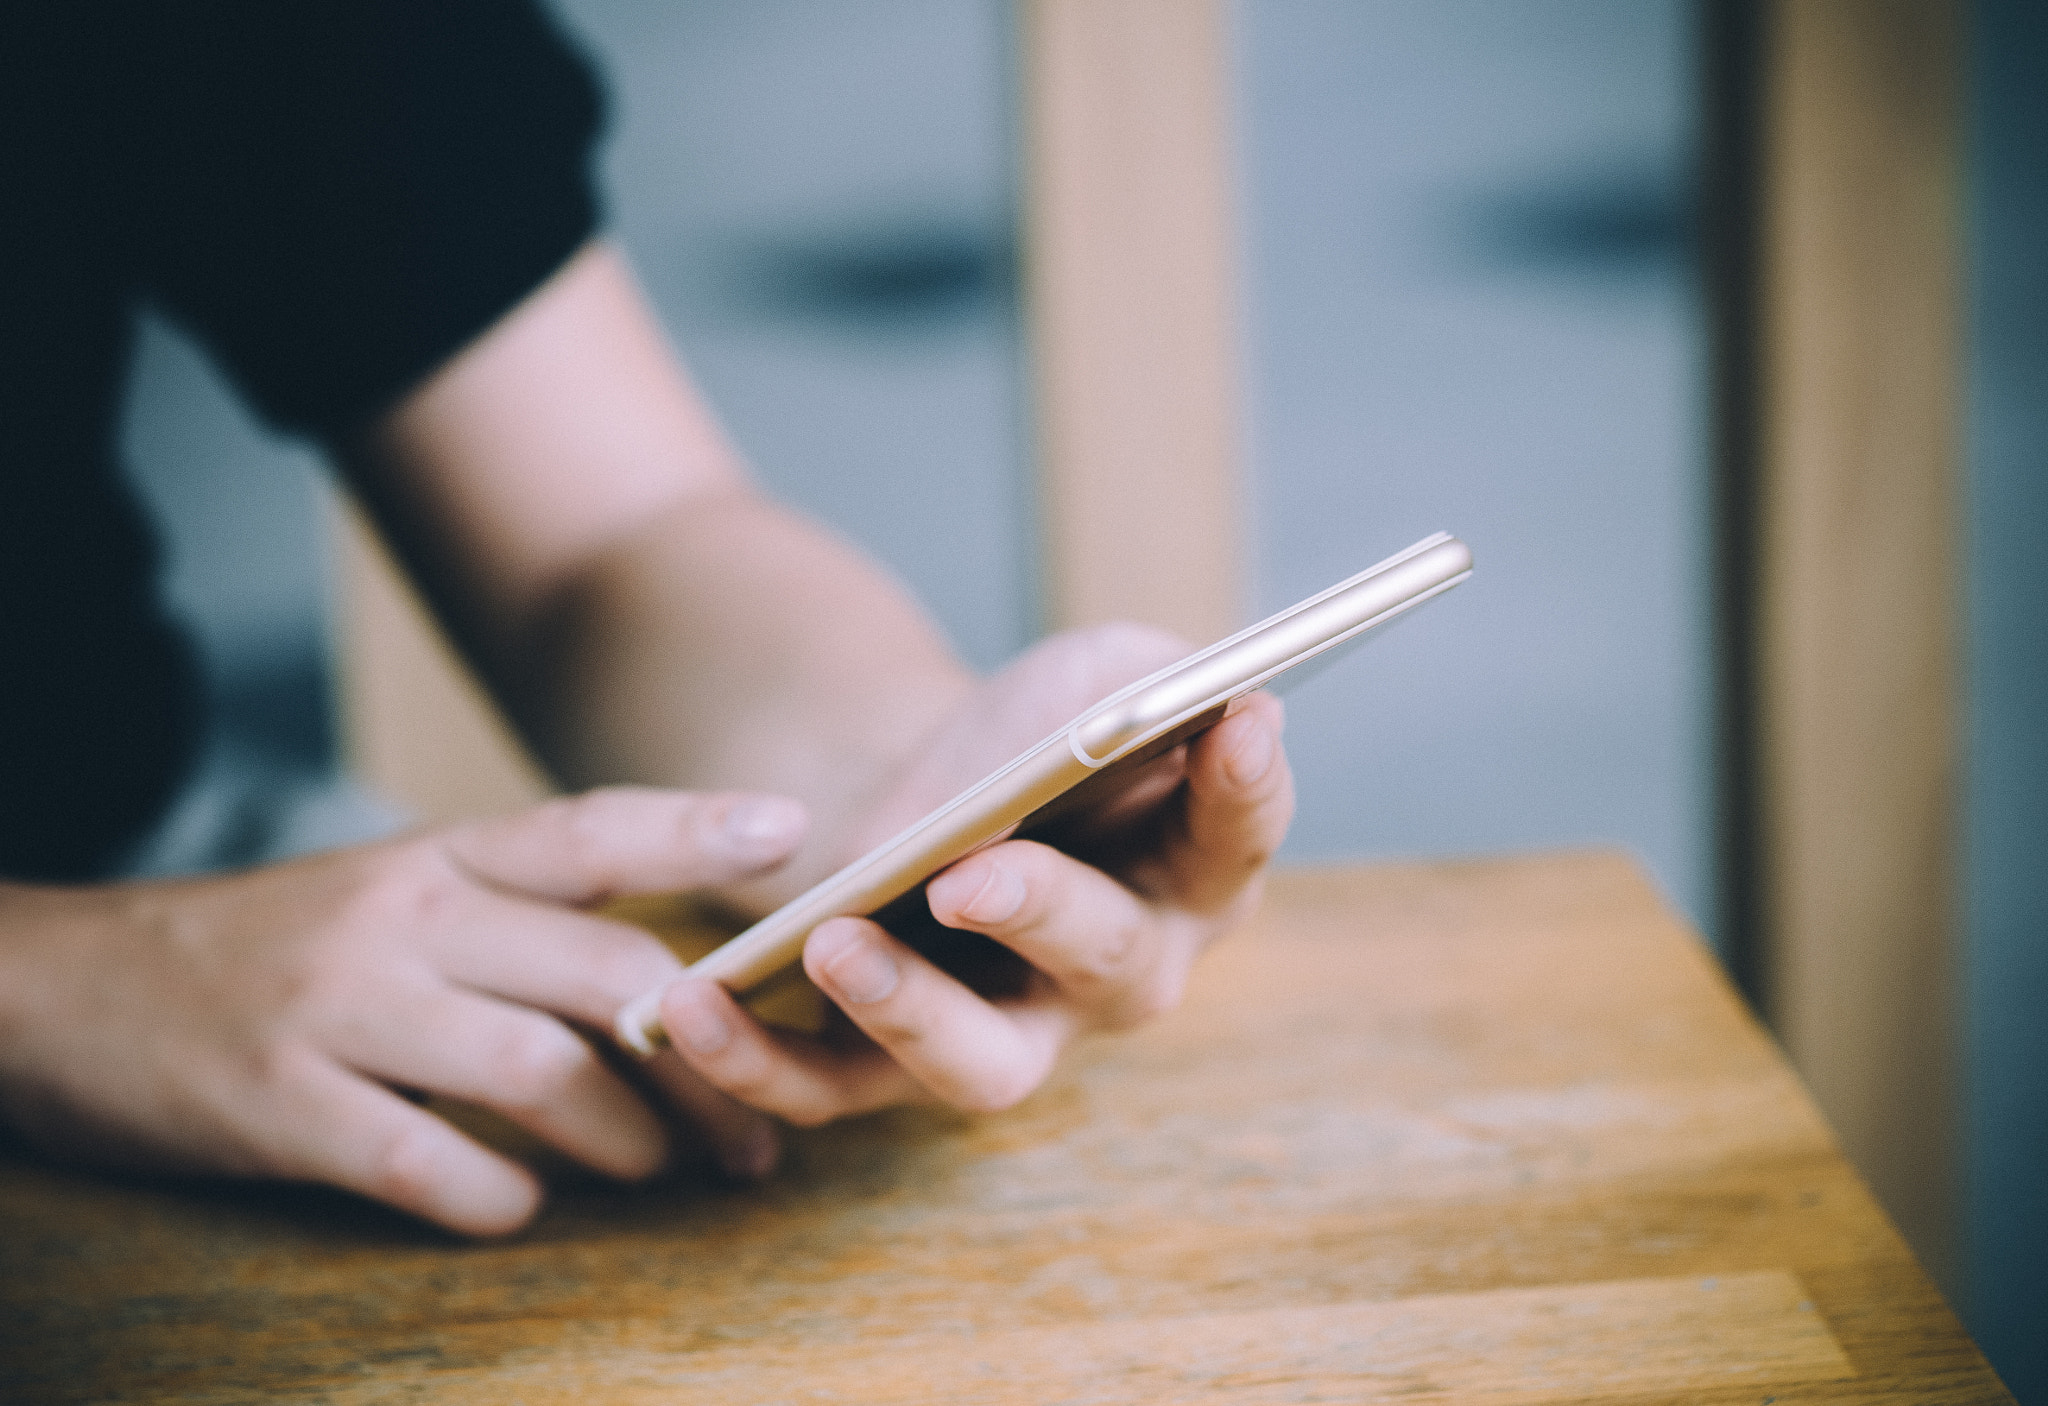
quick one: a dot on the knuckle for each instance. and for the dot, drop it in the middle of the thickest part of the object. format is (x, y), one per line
(314, 983)
(1101, 965)
(624, 961)
(744, 1074)
(754, 1079)
(257, 1113)
(899, 1024)
(581, 822)
(406, 892)
(1108, 960)
(298, 991)
(801, 1103)
(585, 832)
(598, 812)
(402, 1167)
(535, 1062)
(269, 1070)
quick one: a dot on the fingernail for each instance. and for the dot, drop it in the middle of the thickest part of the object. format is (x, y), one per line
(754, 1156)
(1252, 758)
(761, 822)
(994, 891)
(696, 1018)
(862, 972)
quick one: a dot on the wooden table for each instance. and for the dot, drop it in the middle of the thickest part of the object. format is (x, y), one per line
(1491, 1131)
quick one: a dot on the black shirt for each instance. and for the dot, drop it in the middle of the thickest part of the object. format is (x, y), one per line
(335, 196)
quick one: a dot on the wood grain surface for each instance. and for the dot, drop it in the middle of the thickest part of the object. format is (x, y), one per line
(1489, 1132)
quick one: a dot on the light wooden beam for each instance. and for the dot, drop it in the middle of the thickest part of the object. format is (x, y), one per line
(1857, 600)
(416, 726)
(1129, 300)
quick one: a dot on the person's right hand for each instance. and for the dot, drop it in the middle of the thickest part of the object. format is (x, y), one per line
(271, 1023)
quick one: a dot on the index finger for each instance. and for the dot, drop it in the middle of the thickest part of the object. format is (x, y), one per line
(627, 839)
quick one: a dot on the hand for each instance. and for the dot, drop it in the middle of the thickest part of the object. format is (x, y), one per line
(1177, 860)
(270, 1023)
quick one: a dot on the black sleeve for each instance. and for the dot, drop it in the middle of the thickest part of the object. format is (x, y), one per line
(340, 194)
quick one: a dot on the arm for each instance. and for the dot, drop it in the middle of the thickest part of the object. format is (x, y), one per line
(577, 516)
(575, 512)
(261, 1023)
(572, 509)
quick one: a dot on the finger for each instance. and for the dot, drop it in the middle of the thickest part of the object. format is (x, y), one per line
(555, 959)
(344, 1130)
(1240, 799)
(964, 1050)
(744, 1141)
(1112, 955)
(527, 1066)
(628, 839)
(777, 1071)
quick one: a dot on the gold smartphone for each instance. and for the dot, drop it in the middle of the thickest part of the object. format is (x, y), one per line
(1078, 764)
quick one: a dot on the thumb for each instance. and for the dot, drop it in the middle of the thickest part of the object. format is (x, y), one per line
(628, 839)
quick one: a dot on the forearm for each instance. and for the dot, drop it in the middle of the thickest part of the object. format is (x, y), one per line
(580, 521)
(570, 506)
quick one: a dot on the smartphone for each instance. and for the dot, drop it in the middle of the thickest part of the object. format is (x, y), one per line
(1079, 764)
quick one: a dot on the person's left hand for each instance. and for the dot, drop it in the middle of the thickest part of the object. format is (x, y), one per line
(1179, 858)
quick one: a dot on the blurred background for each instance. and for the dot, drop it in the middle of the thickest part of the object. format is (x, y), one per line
(1470, 297)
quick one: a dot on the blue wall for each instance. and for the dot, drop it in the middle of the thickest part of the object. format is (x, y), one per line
(1471, 306)
(2006, 849)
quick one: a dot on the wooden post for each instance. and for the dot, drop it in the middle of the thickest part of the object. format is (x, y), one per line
(1855, 623)
(416, 726)
(1129, 297)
